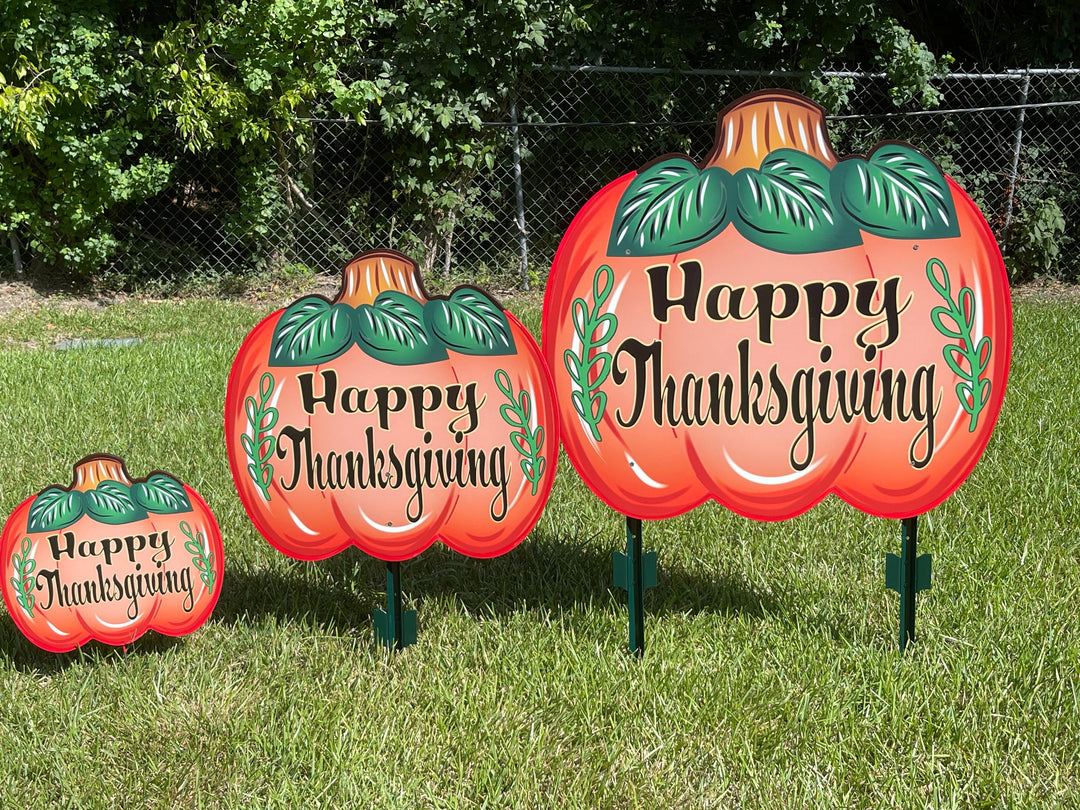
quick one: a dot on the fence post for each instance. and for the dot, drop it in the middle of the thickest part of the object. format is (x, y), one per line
(1013, 175)
(16, 256)
(519, 194)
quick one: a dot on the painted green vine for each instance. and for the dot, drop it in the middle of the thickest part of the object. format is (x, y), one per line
(23, 580)
(258, 441)
(591, 367)
(969, 359)
(516, 413)
(201, 555)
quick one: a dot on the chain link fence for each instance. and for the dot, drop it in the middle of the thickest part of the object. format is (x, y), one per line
(1011, 139)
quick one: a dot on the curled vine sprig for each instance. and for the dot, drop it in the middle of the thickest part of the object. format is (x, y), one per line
(591, 367)
(261, 418)
(969, 359)
(23, 581)
(528, 442)
(201, 555)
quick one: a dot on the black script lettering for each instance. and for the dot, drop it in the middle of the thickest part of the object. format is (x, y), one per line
(50, 579)
(811, 396)
(108, 547)
(425, 399)
(890, 308)
(874, 299)
(384, 400)
(658, 285)
(68, 547)
(134, 543)
(497, 476)
(746, 382)
(716, 310)
(922, 391)
(163, 544)
(418, 468)
(766, 301)
(804, 413)
(307, 394)
(431, 469)
(641, 355)
(462, 400)
(300, 449)
(101, 589)
(815, 304)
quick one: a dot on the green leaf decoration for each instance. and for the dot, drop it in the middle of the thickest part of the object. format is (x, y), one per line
(470, 323)
(969, 359)
(393, 330)
(590, 369)
(54, 509)
(670, 207)
(23, 566)
(785, 206)
(261, 419)
(311, 331)
(201, 556)
(897, 193)
(161, 494)
(112, 503)
(517, 412)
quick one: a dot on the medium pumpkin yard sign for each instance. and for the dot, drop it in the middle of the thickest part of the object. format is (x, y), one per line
(108, 558)
(387, 419)
(775, 325)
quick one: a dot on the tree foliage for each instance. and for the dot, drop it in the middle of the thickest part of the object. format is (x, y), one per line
(100, 99)
(72, 126)
(998, 33)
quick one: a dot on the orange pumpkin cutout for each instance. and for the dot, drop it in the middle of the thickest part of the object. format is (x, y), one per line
(775, 324)
(109, 558)
(387, 419)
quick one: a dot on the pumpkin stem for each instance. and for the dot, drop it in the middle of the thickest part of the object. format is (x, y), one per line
(92, 470)
(372, 273)
(773, 119)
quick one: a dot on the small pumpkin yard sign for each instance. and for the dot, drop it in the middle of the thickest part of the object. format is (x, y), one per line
(387, 419)
(108, 558)
(776, 324)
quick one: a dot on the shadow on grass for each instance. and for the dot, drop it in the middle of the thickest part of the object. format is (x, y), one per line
(28, 658)
(547, 573)
(327, 593)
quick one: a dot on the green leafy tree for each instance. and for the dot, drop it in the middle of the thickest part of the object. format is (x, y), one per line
(429, 74)
(243, 79)
(811, 34)
(997, 33)
(102, 100)
(72, 126)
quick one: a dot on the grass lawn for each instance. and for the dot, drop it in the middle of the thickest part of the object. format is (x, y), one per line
(771, 677)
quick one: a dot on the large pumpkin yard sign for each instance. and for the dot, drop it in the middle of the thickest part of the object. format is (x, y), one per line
(775, 324)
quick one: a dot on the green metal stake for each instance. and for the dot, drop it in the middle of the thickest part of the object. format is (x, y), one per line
(907, 575)
(395, 628)
(635, 573)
